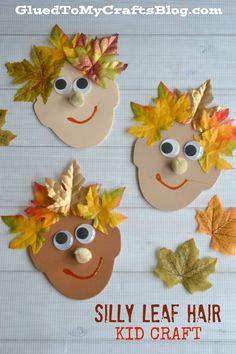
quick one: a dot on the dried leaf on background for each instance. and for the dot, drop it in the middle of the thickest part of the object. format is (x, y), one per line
(6, 136)
(220, 225)
(31, 232)
(99, 209)
(38, 76)
(184, 266)
(67, 192)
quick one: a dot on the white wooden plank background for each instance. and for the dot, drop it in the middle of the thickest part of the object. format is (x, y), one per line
(182, 52)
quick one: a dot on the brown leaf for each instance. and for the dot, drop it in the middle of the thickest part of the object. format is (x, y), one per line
(68, 191)
(200, 98)
(220, 225)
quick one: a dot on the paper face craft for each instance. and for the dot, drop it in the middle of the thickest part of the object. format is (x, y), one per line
(179, 146)
(71, 233)
(72, 86)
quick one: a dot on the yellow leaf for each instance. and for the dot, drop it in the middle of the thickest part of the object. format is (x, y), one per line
(38, 76)
(31, 232)
(220, 225)
(6, 136)
(99, 209)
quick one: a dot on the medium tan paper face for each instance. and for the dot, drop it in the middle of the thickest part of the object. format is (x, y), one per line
(94, 117)
(85, 280)
(170, 191)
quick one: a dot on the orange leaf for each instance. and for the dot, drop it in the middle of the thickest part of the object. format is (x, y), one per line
(220, 225)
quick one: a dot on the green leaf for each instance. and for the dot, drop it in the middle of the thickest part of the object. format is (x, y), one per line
(185, 267)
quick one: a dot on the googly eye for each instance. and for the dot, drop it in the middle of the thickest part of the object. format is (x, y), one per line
(82, 85)
(85, 233)
(62, 85)
(193, 150)
(169, 148)
(63, 240)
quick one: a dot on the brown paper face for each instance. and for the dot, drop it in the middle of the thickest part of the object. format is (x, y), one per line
(73, 279)
(86, 124)
(160, 185)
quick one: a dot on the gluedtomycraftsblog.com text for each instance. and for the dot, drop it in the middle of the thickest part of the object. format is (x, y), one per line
(157, 321)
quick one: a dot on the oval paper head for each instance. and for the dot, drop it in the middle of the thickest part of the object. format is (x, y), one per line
(179, 146)
(73, 85)
(72, 233)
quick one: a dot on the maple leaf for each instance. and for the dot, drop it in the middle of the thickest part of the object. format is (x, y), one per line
(31, 232)
(217, 141)
(37, 76)
(154, 119)
(168, 108)
(59, 39)
(94, 57)
(184, 266)
(40, 206)
(68, 191)
(212, 119)
(220, 225)
(99, 209)
(179, 104)
(6, 136)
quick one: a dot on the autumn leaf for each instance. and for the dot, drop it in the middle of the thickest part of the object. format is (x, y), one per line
(6, 136)
(154, 120)
(37, 76)
(31, 232)
(40, 206)
(68, 191)
(179, 105)
(59, 39)
(216, 142)
(184, 266)
(99, 209)
(220, 225)
(94, 57)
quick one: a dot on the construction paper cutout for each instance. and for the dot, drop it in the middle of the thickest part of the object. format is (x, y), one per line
(6, 136)
(71, 232)
(86, 124)
(160, 185)
(74, 279)
(73, 84)
(220, 225)
(184, 266)
(181, 141)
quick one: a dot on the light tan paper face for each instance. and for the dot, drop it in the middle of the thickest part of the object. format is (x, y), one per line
(92, 121)
(73, 279)
(170, 191)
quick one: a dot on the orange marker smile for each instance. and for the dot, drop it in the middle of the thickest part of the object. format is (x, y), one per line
(73, 120)
(69, 272)
(174, 188)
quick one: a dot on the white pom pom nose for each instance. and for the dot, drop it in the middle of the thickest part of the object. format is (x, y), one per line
(179, 165)
(83, 255)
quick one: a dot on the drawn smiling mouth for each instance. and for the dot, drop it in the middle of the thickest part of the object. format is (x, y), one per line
(73, 120)
(69, 272)
(159, 179)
